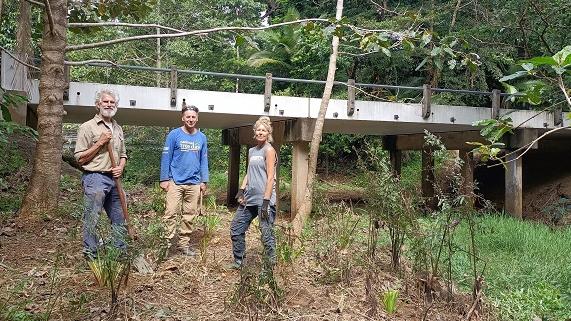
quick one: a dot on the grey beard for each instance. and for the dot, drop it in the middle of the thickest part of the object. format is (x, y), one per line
(108, 113)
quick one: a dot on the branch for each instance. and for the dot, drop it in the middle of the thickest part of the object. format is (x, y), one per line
(36, 3)
(18, 59)
(189, 33)
(527, 147)
(120, 24)
(49, 14)
(563, 89)
(91, 61)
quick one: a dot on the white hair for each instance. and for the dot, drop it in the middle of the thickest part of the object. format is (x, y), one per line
(108, 92)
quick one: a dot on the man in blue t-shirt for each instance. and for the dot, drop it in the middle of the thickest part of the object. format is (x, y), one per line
(184, 174)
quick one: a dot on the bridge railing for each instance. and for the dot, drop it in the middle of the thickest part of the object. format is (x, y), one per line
(427, 91)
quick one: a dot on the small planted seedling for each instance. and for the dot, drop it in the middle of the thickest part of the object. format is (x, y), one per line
(390, 298)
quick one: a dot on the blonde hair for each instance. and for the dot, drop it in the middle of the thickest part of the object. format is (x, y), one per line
(265, 121)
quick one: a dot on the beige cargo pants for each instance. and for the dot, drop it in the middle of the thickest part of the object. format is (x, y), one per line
(181, 209)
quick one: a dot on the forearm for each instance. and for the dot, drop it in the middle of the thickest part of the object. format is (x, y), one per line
(244, 182)
(89, 154)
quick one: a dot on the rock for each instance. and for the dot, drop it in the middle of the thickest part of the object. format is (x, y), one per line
(8, 231)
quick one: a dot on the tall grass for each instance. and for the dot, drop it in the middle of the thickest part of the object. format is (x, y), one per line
(528, 267)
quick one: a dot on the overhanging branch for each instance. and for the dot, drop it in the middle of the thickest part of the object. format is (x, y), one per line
(121, 24)
(189, 33)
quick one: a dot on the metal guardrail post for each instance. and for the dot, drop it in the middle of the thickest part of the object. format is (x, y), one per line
(426, 99)
(268, 93)
(174, 85)
(350, 97)
(496, 103)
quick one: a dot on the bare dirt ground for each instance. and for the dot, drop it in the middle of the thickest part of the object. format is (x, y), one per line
(42, 269)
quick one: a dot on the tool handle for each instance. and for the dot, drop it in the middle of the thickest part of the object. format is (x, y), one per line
(122, 197)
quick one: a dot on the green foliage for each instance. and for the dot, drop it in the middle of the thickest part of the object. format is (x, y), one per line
(390, 298)
(210, 224)
(387, 200)
(336, 242)
(286, 250)
(493, 130)
(545, 71)
(528, 267)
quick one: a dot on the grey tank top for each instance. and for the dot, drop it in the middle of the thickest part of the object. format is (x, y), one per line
(258, 177)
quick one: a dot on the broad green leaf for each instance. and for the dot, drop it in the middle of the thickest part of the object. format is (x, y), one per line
(540, 61)
(514, 75)
(562, 55)
(559, 70)
(527, 66)
(449, 51)
(435, 51)
(422, 63)
(425, 39)
(438, 63)
(386, 51)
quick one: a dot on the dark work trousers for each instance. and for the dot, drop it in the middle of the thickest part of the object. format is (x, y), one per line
(100, 192)
(242, 219)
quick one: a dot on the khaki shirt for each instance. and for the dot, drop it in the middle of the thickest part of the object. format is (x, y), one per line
(89, 133)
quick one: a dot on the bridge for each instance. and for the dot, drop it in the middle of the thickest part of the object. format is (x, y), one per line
(401, 124)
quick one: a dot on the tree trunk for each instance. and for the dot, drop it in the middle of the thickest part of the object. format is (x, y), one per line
(43, 190)
(24, 32)
(305, 208)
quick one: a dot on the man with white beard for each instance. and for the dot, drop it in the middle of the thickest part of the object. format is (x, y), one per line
(99, 189)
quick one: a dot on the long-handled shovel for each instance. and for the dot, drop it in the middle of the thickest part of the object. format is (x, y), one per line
(139, 262)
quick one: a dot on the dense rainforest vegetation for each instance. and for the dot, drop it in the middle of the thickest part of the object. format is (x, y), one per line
(452, 263)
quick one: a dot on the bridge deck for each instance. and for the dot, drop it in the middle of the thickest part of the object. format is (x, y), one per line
(150, 106)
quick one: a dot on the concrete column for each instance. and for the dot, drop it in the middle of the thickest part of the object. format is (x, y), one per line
(233, 175)
(300, 165)
(427, 178)
(514, 186)
(467, 175)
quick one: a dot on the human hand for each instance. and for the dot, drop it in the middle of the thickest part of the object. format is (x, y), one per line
(203, 187)
(164, 185)
(240, 196)
(117, 171)
(264, 212)
(104, 138)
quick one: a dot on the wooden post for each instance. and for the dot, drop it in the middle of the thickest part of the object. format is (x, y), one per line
(396, 161)
(268, 93)
(299, 164)
(496, 103)
(468, 176)
(427, 174)
(426, 101)
(350, 97)
(514, 186)
(233, 175)
(278, 147)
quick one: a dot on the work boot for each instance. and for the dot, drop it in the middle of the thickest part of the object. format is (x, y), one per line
(236, 265)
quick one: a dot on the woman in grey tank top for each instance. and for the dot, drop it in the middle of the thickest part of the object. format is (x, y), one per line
(257, 196)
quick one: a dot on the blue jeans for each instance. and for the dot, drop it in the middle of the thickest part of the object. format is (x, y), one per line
(100, 192)
(240, 224)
